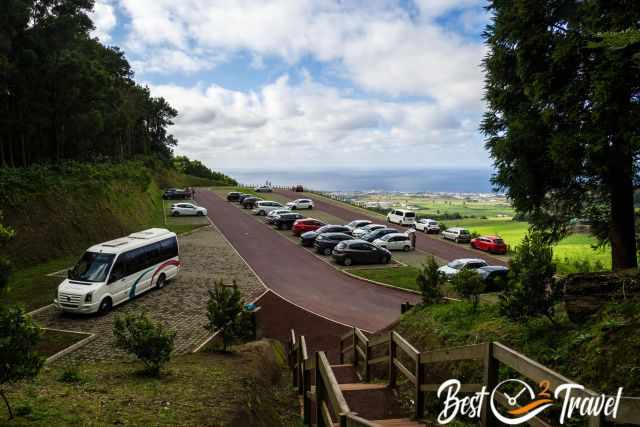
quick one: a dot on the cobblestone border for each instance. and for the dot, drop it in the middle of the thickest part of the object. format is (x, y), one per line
(90, 337)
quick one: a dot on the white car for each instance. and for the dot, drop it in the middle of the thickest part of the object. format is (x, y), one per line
(402, 217)
(428, 226)
(394, 242)
(457, 234)
(264, 189)
(300, 204)
(187, 209)
(274, 214)
(361, 231)
(357, 223)
(457, 265)
(266, 206)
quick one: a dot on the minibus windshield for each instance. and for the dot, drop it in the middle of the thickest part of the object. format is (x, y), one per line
(92, 267)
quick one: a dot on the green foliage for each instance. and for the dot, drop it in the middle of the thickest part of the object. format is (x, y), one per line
(196, 168)
(226, 314)
(469, 285)
(138, 335)
(561, 125)
(6, 234)
(429, 282)
(531, 289)
(64, 95)
(70, 375)
(19, 360)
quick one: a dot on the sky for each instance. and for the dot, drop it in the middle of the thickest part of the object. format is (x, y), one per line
(311, 84)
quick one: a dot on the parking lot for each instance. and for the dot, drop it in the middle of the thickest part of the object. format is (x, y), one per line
(181, 305)
(181, 220)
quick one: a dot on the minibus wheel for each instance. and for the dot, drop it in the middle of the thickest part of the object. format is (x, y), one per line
(161, 281)
(105, 306)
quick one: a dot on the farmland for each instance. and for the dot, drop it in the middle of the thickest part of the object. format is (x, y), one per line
(493, 215)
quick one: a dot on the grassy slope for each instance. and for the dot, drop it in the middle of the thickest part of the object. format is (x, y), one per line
(57, 215)
(603, 353)
(246, 388)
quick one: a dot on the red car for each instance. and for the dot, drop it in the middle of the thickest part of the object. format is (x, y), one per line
(304, 225)
(493, 244)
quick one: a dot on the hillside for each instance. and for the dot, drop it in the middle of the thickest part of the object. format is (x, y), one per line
(59, 210)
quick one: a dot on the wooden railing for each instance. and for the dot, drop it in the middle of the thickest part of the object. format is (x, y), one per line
(492, 355)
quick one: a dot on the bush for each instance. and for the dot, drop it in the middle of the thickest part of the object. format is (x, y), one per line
(70, 376)
(429, 282)
(225, 311)
(531, 290)
(469, 285)
(152, 344)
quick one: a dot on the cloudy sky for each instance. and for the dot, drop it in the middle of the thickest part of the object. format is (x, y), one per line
(311, 84)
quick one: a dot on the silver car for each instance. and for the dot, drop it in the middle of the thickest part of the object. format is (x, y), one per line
(457, 265)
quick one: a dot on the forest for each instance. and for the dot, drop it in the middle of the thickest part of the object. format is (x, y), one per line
(66, 96)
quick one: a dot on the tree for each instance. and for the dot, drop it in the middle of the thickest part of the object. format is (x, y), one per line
(429, 282)
(563, 119)
(19, 335)
(226, 314)
(138, 335)
(531, 289)
(469, 285)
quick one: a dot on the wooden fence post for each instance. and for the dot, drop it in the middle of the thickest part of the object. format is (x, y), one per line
(367, 356)
(355, 350)
(306, 401)
(300, 367)
(319, 393)
(419, 412)
(392, 356)
(491, 381)
(341, 354)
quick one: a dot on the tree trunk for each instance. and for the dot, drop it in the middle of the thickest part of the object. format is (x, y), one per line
(6, 402)
(622, 231)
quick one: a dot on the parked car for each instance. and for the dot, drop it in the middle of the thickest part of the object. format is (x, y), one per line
(187, 209)
(428, 225)
(298, 189)
(271, 216)
(233, 196)
(357, 223)
(176, 193)
(250, 202)
(325, 242)
(350, 252)
(243, 196)
(300, 204)
(286, 220)
(306, 224)
(492, 244)
(394, 242)
(457, 265)
(457, 234)
(402, 217)
(263, 207)
(309, 237)
(493, 277)
(264, 189)
(361, 231)
(376, 234)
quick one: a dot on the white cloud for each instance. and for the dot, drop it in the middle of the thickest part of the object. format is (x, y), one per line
(167, 61)
(312, 125)
(104, 20)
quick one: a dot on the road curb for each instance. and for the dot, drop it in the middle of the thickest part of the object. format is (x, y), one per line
(72, 347)
(386, 285)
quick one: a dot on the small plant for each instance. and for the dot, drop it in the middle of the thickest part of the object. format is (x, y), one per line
(152, 344)
(469, 285)
(531, 289)
(71, 376)
(226, 314)
(429, 282)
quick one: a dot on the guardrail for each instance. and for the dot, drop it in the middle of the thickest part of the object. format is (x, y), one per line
(492, 355)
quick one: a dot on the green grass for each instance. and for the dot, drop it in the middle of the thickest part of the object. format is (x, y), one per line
(402, 277)
(249, 387)
(52, 342)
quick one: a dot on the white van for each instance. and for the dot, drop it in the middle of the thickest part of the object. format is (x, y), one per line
(402, 217)
(457, 234)
(116, 271)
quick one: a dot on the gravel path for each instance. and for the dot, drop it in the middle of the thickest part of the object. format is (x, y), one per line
(181, 305)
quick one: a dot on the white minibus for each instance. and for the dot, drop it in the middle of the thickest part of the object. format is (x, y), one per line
(116, 271)
(402, 217)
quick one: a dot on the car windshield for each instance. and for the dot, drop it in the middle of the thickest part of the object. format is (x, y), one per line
(456, 264)
(464, 232)
(410, 215)
(92, 267)
(499, 241)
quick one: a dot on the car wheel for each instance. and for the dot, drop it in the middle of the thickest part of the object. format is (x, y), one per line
(293, 208)
(327, 251)
(347, 261)
(200, 213)
(161, 281)
(105, 306)
(406, 248)
(175, 214)
(310, 207)
(279, 226)
(456, 240)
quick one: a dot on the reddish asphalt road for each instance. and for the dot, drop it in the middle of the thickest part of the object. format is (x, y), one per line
(433, 246)
(299, 276)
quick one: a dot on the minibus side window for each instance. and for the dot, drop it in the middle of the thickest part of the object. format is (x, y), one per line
(119, 269)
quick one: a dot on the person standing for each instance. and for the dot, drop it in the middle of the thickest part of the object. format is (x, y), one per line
(412, 235)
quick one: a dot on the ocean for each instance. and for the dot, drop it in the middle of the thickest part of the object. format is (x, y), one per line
(422, 180)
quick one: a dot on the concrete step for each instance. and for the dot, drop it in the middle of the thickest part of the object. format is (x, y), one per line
(345, 374)
(371, 401)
